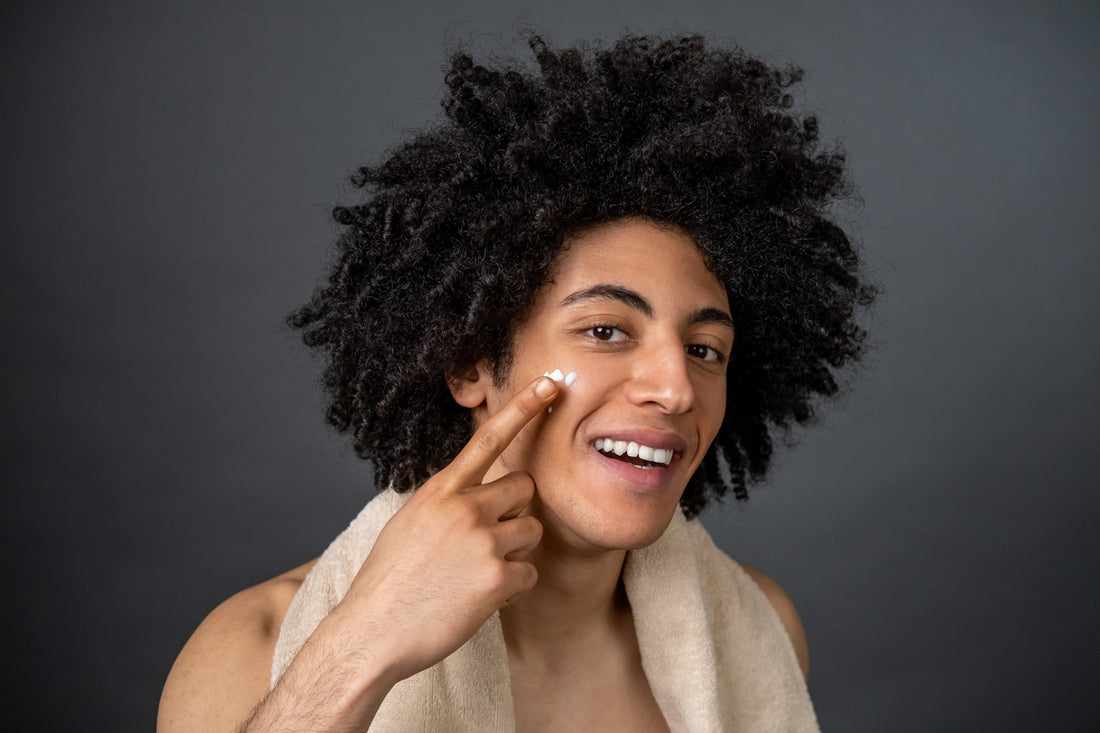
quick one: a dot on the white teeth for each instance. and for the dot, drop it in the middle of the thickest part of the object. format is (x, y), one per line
(570, 378)
(634, 450)
(556, 375)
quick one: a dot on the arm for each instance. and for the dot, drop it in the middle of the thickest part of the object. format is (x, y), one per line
(783, 606)
(334, 684)
(444, 563)
(225, 667)
(224, 671)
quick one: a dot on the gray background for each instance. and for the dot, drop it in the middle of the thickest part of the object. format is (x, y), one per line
(168, 172)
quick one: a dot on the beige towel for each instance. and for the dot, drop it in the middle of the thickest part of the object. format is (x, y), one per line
(714, 651)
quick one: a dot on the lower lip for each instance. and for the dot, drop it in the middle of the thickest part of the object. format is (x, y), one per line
(646, 479)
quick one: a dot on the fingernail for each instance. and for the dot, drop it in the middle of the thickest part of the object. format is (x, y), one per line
(545, 388)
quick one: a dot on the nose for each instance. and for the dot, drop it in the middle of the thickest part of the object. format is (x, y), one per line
(660, 377)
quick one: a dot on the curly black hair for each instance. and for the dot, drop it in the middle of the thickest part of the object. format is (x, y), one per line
(460, 225)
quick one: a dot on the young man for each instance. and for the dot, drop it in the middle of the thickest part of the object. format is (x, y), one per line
(647, 225)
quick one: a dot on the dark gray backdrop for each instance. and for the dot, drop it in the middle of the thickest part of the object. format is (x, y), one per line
(168, 170)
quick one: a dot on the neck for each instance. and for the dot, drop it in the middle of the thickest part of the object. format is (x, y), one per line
(578, 600)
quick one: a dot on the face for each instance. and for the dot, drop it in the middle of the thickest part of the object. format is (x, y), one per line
(634, 311)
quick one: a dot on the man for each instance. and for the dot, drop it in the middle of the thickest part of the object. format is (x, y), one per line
(650, 221)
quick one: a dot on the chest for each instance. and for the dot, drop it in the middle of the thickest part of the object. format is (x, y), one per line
(603, 697)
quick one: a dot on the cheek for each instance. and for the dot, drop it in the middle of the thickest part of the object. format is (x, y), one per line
(715, 411)
(525, 451)
(589, 390)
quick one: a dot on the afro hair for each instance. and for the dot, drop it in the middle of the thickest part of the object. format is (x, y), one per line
(458, 228)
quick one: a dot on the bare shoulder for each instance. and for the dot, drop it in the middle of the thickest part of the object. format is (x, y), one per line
(224, 669)
(784, 607)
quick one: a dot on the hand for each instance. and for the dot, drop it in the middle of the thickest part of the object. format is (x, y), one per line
(453, 554)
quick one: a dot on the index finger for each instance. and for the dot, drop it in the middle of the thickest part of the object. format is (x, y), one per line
(495, 434)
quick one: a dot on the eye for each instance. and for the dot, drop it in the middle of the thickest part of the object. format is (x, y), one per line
(607, 333)
(703, 352)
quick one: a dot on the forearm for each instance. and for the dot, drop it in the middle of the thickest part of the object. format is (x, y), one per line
(326, 688)
(449, 558)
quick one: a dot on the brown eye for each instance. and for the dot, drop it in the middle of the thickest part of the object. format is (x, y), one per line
(607, 333)
(703, 352)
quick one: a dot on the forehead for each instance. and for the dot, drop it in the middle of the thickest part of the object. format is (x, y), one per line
(661, 262)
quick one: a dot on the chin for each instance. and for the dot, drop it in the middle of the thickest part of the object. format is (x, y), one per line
(637, 540)
(619, 528)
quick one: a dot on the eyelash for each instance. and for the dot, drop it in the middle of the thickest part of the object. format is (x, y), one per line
(718, 356)
(708, 351)
(591, 330)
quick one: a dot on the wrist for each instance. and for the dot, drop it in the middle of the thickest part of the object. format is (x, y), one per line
(336, 682)
(353, 656)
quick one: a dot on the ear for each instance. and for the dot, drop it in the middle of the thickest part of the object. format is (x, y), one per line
(471, 388)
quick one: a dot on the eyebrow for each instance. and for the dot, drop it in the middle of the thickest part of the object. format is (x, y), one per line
(712, 315)
(629, 297)
(638, 302)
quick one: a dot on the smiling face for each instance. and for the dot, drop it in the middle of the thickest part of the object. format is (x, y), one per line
(633, 310)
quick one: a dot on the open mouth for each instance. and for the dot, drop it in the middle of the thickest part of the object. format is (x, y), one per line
(637, 455)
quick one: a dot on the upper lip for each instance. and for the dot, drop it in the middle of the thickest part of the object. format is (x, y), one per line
(652, 437)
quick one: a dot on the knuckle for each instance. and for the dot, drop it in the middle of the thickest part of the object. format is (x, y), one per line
(485, 546)
(438, 485)
(528, 575)
(532, 527)
(485, 440)
(496, 578)
(524, 577)
(466, 515)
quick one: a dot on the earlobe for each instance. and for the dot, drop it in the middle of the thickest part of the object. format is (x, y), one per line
(470, 388)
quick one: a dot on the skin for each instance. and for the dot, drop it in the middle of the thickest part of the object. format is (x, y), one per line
(610, 315)
(529, 519)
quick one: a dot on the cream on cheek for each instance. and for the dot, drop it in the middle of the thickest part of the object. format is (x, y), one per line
(518, 454)
(564, 378)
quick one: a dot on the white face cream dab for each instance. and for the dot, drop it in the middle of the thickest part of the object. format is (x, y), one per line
(557, 376)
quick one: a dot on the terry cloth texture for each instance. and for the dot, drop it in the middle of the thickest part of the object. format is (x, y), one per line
(714, 651)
